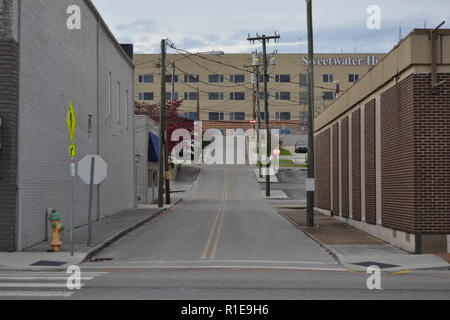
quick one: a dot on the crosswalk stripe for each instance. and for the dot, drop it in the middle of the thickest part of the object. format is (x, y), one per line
(42, 278)
(42, 294)
(33, 285)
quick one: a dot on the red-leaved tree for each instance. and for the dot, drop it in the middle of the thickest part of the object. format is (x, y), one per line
(174, 120)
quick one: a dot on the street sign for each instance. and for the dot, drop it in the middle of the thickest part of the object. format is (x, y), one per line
(276, 152)
(71, 121)
(72, 151)
(100, 169)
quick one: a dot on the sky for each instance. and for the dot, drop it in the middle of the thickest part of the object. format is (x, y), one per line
(205, 25)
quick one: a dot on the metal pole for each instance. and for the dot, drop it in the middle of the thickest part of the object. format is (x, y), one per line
(161, 125)
(72, 177)
(266, 116)
(91, 196)
(311, 115)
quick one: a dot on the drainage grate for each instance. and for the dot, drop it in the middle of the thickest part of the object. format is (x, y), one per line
(101, 259)
(44, 263)
(378, 264)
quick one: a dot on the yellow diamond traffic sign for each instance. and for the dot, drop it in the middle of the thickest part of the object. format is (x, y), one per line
(72, 151)
(71, 121)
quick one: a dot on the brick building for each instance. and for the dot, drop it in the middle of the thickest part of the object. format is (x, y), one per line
(43, 65)
(383, 148)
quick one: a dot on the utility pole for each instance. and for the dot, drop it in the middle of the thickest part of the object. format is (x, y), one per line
(162, 129)
(264, 41)
(310, 184)
(198, 104)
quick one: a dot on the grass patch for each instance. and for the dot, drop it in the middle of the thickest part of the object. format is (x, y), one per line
(285, 152)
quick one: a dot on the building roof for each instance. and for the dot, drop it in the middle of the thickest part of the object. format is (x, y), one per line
(413, 50)
(108, 31)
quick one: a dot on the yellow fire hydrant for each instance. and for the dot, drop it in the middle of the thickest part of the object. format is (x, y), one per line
(57, 228)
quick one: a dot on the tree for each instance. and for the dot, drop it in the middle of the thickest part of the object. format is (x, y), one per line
(174, 120)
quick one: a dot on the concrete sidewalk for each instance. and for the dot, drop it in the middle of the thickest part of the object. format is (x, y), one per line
(357, 250)
(104, 233)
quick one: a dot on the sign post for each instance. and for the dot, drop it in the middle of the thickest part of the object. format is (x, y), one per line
(71, 124)
(92, 169)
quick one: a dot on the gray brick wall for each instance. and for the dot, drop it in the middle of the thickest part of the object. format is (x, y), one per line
(9, 82)
(9, 86)
(58, 65)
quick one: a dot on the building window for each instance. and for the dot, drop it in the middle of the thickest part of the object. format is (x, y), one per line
(303, 81)
(285, 131)
(237, 96)
(283, 96)
(127, 108)
(146, 78)
(237, 78)
(118, 101)
(283, 116)
(282, 78)
(110, 94)
(215, 78)
(169, 96)
(215, 96)
(303, 98)
(353, 78)
(239, 116)
(328, 78)
(304, 117)
(169, 78)
(146, 96)
(216, 116)
(191, 78)
(328, 95)
(261, 78)
(191, 116)
(190, 96)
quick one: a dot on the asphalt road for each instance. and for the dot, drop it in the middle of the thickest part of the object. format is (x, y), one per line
(225, 242)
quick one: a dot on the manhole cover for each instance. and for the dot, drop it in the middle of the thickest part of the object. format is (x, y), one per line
(44, 263)
(378, 264)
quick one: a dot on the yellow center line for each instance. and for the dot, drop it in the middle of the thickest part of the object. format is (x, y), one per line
(219, 229)
(219, 218)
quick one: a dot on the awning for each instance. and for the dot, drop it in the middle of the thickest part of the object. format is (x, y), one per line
(153, 148)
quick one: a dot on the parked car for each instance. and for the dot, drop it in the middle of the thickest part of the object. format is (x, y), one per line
(301, 147)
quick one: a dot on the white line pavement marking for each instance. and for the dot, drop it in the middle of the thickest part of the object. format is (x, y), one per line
(41, 294)
(33, 285)
(42, 278)
(225, 261)
(220, 267)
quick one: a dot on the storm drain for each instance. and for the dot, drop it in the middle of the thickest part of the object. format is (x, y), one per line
(44, 263)
(378, 264)
(101, 259)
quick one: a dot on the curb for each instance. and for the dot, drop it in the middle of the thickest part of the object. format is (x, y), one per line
(120, 234)
(333, 252)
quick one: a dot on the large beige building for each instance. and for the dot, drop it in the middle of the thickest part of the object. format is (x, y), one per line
(226, 88)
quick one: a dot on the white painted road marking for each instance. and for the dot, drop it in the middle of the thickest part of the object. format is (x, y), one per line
(17, 283)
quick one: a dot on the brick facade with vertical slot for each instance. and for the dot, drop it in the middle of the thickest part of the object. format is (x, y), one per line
(369, 162)
(356, 165)
(398, 157)
(335, 168)
(432, 146)
(345, 168)
(323, 187)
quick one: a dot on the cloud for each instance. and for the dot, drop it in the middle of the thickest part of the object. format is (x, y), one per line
(143, 25)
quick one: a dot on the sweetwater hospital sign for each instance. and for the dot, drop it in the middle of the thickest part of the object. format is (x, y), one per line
(343, 61)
